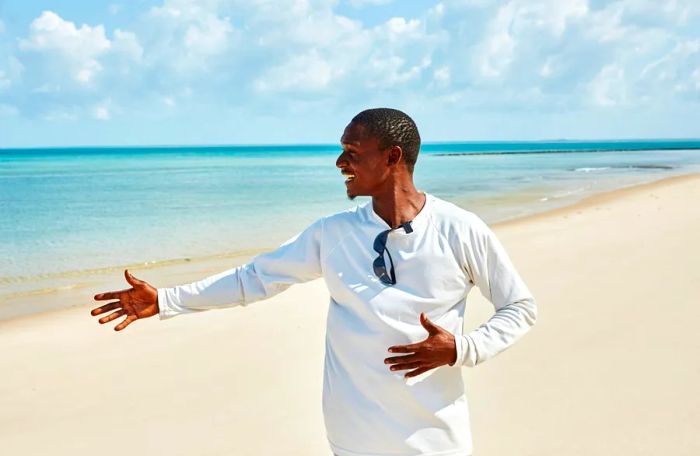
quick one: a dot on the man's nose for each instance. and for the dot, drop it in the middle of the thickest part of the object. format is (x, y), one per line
(341, 162)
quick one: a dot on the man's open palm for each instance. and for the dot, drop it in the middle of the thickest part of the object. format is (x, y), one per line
(140, 301)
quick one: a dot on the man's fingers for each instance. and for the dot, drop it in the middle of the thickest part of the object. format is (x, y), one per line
(405, 366)
(401, 359)
(105, 308)
(126, 322)
(112, 316)
(133, 281)
(410, 348)
(127, 275)
(418, 371)
(110, 295)
(429, 326)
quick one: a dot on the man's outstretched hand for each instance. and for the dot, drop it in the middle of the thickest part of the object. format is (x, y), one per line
(436, 350)
(140, 301)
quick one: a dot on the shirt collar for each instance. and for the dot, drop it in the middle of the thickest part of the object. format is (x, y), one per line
(418, 223)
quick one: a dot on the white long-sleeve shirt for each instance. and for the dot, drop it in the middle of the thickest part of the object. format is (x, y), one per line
(368, 409)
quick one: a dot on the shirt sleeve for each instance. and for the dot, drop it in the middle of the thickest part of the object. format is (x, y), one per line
(492, 271)
(295, 261)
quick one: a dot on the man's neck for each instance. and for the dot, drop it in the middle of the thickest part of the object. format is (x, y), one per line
(400, 204)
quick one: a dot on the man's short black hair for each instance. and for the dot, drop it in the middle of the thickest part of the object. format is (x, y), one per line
(392, 128)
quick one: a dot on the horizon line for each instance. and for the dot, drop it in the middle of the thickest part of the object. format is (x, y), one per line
(323, 144)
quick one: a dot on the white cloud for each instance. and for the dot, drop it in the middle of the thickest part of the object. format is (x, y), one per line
(74, 66)
(363, 3)
(672, 12)
(306, 48)
(607, 25)
(101, 113)
(398, 28)
(102, 110)
(568, 54)
(608, 88)
(695, 77)
(521, 23)
(399, 55)
(87, 71)
(543, 54)
(311, 50)
(679, 69)
(11, 72)
(187, 36)
(127, 44)
(393, 72)
(556, 15)
(495, 54)
(287, 24)
(208, 37)
(308, 72)
(80, 47)
(547, 68)
(50, 32)
(442, 75)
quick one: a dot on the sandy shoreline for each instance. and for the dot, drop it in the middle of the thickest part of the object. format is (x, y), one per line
(611, 367)
(27, 296)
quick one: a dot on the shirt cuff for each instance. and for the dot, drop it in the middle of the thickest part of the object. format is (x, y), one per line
(459, 348)
(166, 308)
(466, 351)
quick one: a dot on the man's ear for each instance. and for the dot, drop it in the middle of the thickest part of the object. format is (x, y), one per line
(395, 155)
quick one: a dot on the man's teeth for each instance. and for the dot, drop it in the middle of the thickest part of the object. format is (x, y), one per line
(349, 177)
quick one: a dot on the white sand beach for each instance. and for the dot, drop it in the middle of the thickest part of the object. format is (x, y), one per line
(610, 368)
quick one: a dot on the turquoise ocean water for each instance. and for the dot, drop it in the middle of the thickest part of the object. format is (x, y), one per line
(70, 210)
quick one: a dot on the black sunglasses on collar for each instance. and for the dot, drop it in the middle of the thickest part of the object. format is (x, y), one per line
(386, 277)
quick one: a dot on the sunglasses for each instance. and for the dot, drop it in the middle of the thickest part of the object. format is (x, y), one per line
(387, 277)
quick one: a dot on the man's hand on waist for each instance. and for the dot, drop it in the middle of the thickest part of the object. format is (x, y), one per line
(436, 350)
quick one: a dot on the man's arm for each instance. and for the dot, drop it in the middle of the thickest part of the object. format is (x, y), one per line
(492, 271)
(297, 260)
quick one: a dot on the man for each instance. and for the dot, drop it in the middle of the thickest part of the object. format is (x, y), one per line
(396, 268)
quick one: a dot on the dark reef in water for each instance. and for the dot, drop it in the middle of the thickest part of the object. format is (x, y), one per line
(559, 151)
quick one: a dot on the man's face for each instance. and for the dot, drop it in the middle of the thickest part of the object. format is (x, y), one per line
(362, 162)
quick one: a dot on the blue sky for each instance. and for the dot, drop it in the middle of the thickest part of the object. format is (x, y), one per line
(295, 71)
